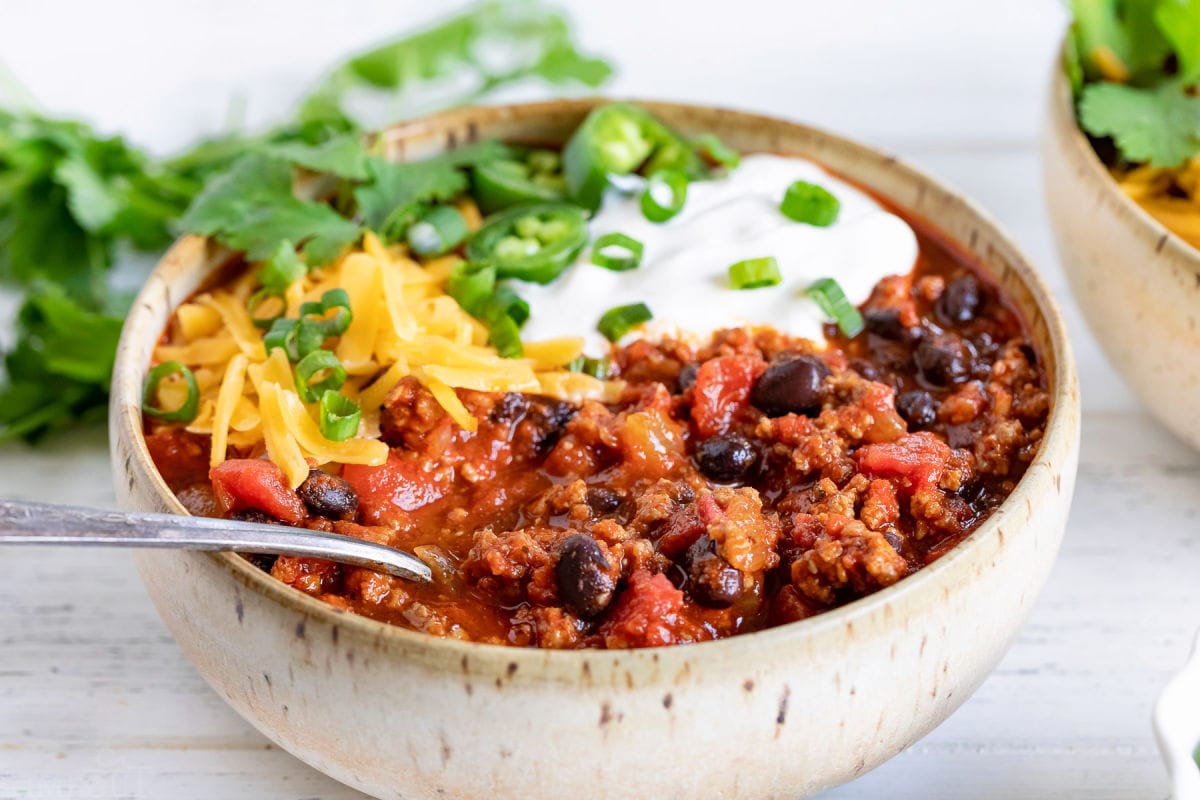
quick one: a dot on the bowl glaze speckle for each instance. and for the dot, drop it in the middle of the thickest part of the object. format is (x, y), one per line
(1137, 283)
(780, 713)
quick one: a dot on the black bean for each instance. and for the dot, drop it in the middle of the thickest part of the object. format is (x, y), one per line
(885, 322)
(791, 386)
(889, 355)
(712, 581)
(943, 360)
(328, 495)
(603, 501)
(584, 576)
(509, 408)
(549, 417)
(260, 560)
(918, 408)
(254, 515)
(960, 300)
(865, 369)
(687, 376)
(726, 459)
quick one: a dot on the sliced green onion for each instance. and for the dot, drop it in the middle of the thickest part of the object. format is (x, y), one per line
(664, 195)
(505, 302)
(471, 285)
(297, 337)
(827, 294)
(716, 151)
(596, 367)
(282, 269)
(338, 417)
(505, 336)
(334, 299)
(616, 322)
(438, 231)
(257, 299)
(628, 253)
(310, 367)
(755, 273)
(191, 404)
(811, 204)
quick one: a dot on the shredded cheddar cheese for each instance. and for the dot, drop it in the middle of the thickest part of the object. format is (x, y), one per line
(404, 323)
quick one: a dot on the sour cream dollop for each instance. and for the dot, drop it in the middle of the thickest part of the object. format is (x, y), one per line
(684, 278)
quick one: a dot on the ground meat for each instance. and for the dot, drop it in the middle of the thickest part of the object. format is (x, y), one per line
(751, 481)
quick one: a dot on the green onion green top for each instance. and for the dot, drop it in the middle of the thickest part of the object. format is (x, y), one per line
(338, 416)
(811, 204)
(755, 273)
(191, 404)
(616, 322)
(827, 294)
(617, 252)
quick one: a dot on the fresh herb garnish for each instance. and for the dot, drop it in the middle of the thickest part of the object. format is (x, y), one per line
(755, 273)
(191, 402)
(829, 297)
(616, 322)
(338, 416)
(811, 204)
(617, 252)
(72, 199)
(1135, 67)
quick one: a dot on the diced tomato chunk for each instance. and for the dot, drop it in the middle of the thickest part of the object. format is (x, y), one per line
(255, 483)
(722, 390)
(913, 462)
(400, 485)
(646, 614)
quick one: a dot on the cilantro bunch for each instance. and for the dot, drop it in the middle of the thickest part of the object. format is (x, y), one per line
(73, 202)
(1135, 68)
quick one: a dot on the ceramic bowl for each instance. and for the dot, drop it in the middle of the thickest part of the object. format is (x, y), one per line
(780, 713)
(1137, 283)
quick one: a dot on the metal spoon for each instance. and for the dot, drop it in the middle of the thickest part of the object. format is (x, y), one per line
(42, 523)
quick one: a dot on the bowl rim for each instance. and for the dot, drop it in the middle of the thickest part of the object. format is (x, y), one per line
(1061, 436)
(1142, 222)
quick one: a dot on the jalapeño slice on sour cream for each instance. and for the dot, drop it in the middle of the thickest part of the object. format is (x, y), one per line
(683, 272)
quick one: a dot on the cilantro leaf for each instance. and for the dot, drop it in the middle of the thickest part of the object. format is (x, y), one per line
(491, 45)
(1179, 21)
(1118, 40)
(344, 156)
(397, 191)
(252, 208)
(61, 367)
(93, 202)
(71, 199)
(1160, 126)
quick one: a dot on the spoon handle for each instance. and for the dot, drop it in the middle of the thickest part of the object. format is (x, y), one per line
(42, 523)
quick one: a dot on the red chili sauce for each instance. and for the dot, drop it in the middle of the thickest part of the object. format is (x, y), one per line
(754, 482)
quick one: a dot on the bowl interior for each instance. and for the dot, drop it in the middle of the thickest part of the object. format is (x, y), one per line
(191, 260)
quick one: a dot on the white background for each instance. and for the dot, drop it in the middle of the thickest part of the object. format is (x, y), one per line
(96, 701)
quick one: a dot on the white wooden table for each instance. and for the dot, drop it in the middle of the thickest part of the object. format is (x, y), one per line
(96, 700)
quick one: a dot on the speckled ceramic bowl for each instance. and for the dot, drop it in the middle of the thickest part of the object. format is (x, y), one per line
(780, 713)
(1137, 283)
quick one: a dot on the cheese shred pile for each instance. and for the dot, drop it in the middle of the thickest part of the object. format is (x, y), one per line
(1169, 194)
(404, 323)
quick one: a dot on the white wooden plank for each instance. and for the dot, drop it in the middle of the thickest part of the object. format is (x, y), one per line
(95, 698)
